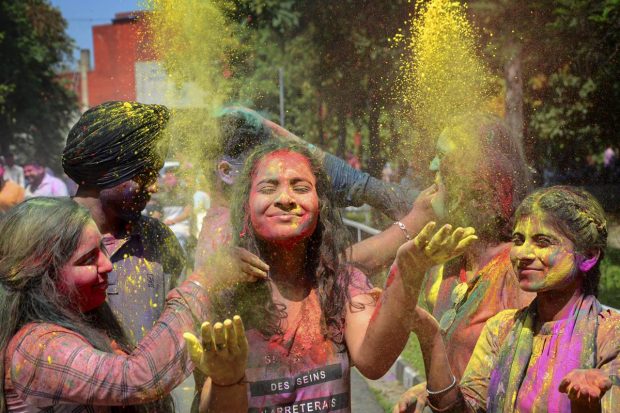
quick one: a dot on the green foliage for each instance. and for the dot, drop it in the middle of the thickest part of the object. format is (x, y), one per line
(562, 119)
(35, 108)
(609, 287)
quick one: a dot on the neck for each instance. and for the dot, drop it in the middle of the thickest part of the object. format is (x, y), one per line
(557, 305)
(287, 266)
(106, 222)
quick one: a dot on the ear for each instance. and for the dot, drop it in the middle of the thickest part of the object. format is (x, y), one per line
(589, 260)
(223, 172)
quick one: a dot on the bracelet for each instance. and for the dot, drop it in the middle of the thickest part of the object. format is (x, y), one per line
(241, 381)
(450, 387)
(404, 229)
(444, 409)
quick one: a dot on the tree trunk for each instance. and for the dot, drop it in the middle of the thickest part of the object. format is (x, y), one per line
(513, 73)
(375, 161)
(321, 140)
(342, 134)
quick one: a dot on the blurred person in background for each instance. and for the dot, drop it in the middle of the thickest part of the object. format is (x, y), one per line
(11, 193)
(41, 183)
(12, 171)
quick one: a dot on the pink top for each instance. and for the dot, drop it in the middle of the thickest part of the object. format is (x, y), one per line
(301, 371)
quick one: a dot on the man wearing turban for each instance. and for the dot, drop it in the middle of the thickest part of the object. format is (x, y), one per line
(114, 153)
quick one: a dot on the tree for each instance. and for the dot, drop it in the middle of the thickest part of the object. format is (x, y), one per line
(35, 108)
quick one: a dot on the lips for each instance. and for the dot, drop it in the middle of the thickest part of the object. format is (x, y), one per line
(101, 286)
(527, 271)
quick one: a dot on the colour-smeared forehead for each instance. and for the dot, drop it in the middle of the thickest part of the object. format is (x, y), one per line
(537, 222)
(285, 163)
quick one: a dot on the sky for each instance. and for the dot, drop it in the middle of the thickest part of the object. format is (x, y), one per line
(81, 15)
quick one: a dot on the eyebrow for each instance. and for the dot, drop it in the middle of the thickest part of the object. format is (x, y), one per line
(274, 181)
(85, 255)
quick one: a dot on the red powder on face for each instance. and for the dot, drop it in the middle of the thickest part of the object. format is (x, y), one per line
(283, 204)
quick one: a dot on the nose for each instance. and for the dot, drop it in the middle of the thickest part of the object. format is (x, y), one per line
(522, 253)
(285, 201)
(104, 266)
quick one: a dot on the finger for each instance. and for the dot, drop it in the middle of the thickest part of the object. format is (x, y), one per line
(439, 238)
(564, 385)
(419, 406)
(231, 337)
(465, 243)
(455, 238)
(193, 348)
(254, 261)
(468, 231)
(254, 274)
(207, 336)
(423, 237)
(242, 341)
(219, 337)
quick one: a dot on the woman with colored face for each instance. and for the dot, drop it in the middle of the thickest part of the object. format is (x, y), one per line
(482, 177)
(314, 316)
(562, 352)
(61, 347)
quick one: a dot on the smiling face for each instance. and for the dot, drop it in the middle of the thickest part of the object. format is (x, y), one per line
(85, 275)
(34, 173)
(283, 204)
(543, 257)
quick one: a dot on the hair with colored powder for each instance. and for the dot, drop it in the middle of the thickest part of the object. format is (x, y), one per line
(579, 216)
(325, 257)
(486, 176)
(39, 236)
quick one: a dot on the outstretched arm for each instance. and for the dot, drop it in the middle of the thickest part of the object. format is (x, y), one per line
(377, 252)
(376, 334)
(222, 357)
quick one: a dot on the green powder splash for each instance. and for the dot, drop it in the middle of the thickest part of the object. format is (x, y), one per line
(444, 78)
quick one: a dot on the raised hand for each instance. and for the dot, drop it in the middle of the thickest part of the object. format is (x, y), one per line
(232, 265)
(413, 400)
(430, 248)
(223, 352)
(585, 388)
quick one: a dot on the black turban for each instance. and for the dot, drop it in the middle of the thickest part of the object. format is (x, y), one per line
(114, 142)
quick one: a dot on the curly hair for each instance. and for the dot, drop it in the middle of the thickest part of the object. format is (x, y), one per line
(579, 216)
(325, 264)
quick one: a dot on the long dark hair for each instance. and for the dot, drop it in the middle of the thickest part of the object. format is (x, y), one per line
(579, 216)
(325, 263)
(37, 238)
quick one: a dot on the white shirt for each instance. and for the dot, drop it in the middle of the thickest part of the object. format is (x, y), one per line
(16, 174)
(49, 186)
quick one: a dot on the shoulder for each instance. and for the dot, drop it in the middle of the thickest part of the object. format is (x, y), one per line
(39, 336)
(501, 323)
(609, 329)
(157, 236)
(358, 281)
(156, 231)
